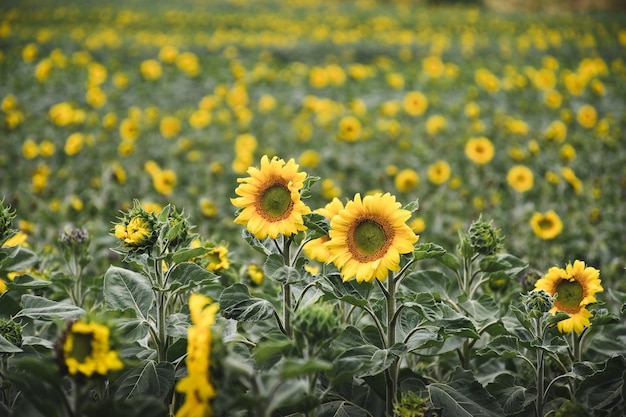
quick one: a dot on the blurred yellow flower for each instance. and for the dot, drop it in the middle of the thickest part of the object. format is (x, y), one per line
(74, 143)
(480, 150)
(520, 178)
(164, 181)
(47, 148)
(200, 119)
(547, 225)
(168, 54)
(415, 103)
(587, 116)
(150, 69)
(349, 129)
(439, 172)
(309, 159)
(406, 180)
(418, 225)
(553, 99)
(29, 53)
(435, 124)
(556, 131)
(30, 150)
(129, 129)
(570, 176)
(567, 152)
(169, 127)
(188, 63)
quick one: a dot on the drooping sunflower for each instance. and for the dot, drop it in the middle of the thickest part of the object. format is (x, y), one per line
(85, 350)
(546, 225)
(270, 199)
(368, 236)
(573, 288)
(315, 249)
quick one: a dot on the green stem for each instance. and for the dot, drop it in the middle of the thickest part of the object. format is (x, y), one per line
(286, 287)
(391, 373)
(540, 373)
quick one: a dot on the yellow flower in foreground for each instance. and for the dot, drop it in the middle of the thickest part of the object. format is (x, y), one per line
(86, 350)
(546, 225)
(520, 178)
(197, 385)
(480, 150)
(574, 288)
(368, 236)
(270, 199)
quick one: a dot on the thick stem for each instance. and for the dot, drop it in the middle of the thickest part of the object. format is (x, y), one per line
(287, 289)
(540, 373)
(392, 371)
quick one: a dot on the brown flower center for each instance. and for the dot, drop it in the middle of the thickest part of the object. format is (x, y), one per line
(275, 202)
(368, 240)
(569, 296)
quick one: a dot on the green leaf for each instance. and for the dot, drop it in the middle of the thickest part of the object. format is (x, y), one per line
(501, 347)
(276, 270)
(177, 325)
(125, 289)
(236, 303)
(186, 254)
(295, 367)
(147, 379)
(349, 292)
(8, 347)
(604, 390)
(27, 282)
(482, 309)
(429, 281)
(266, 349)
(412, 206)
(43, 309)
(450, 260)
(463, 396)
(382, 359)
(188, 275)
(512, 397)
(18, 258)
(427, 251)
(341, 409)
(424, 337)
(316, 224)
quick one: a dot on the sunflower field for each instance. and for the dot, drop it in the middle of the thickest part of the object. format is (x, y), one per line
(311, 208)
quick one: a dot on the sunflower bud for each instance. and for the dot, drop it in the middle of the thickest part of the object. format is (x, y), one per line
(11, 331)
(537, 302)
(137, 229)
(6, 218)
(484, 238)
(178, 227)
(410, 405)
(316, 322)
(571, 409)
(75, 244)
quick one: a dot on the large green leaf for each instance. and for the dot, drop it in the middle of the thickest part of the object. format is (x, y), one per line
(349, 292)
(27, 282)
(295, 367)
(429, 281)
(341, 409)
(43, 309)
(276, 270)
(515, 399)
(236, 303)
(604, 390)
(463, 396)
(186, 254)
(8, 347)
(189, 275)
(149, 378)
(428, 251)
(125, 289)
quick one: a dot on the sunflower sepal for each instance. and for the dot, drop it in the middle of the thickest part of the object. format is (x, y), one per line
(305, 192)
(412, 206)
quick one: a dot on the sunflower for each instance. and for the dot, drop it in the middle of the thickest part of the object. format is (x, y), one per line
(415, 103)
(406, 180)
(546, 225)
(368, 236)
(270, 199)
(573, 288)
(316, 249)
(520, 178)
(480, 150)
(439, 172)
(85, 350)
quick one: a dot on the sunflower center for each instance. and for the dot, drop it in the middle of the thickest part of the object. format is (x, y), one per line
(545, 224)
(369, 238)
(276, 201)
(570, 293)
(81, 346)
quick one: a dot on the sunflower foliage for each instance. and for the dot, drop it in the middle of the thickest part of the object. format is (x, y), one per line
(131, 285)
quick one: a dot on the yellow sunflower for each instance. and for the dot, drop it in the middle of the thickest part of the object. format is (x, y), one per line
(86, 350)
(520, 178)
(316, 249)
(480, 150)
(270, 199)
(368, 236)
(546, 225)
(574, 288)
